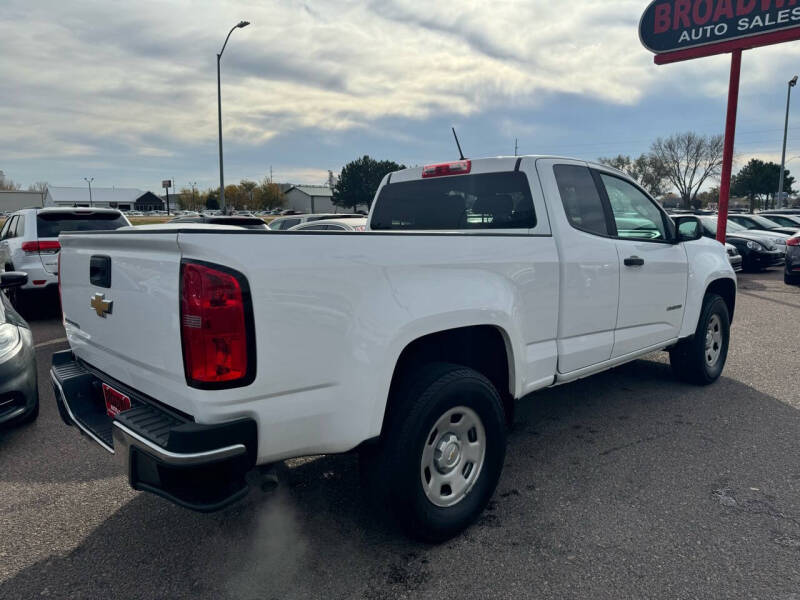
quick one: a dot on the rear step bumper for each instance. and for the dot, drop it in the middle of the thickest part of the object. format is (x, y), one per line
(201, 467)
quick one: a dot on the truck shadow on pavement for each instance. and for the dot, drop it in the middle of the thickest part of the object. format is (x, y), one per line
(626, 484)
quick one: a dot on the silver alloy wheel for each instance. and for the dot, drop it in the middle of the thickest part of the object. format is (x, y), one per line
(453, 456)
(713, 340)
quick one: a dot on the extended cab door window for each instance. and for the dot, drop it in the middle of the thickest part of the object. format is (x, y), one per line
(581, 200)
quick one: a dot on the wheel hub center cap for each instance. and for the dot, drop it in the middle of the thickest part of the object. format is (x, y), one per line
(448, 453)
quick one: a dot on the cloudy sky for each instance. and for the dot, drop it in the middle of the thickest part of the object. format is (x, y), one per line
(125, 91)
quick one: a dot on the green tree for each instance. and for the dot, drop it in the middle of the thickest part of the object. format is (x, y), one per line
(709, 197)
(758, 181)
(647, 170)
(211, 199)
(359, 180)
(234, 197)
(185, 199)
(270, 195)
(248, 192)
(689, 159)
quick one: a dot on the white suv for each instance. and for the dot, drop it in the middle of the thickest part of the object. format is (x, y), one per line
(29, 238)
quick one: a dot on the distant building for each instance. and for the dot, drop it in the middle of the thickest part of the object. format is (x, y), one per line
(149, 201)
(121, 198)
(12, 200)
(310, 199)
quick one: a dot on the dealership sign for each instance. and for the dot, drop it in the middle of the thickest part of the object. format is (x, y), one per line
(682, 29)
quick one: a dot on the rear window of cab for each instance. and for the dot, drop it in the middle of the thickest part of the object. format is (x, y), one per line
(459, 202)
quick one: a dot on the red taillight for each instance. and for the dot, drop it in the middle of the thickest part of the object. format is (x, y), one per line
(793, 241)
(49, 247)
(216, 324)
(461, 167)
(41, 247)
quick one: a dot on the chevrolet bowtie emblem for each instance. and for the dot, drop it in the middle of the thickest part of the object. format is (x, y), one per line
(101, 306)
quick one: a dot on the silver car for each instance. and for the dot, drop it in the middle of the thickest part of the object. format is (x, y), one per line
(19, 392)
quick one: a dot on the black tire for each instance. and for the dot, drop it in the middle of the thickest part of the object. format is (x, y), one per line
(791, 279)
(689, 357)
(395, 468)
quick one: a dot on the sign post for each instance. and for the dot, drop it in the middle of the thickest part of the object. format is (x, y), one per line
(678, 30)
(166, 184)
(727, 149)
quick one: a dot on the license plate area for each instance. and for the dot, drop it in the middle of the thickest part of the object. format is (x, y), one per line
(116, 401)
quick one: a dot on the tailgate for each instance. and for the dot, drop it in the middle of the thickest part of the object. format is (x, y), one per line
(126, 327)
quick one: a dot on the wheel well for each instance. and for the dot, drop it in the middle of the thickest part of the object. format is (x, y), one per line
(483, 348)
(725, 288)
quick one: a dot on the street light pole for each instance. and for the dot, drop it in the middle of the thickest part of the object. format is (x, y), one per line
(89, 180)
(194, 202)
(792, 83)
(239, 25)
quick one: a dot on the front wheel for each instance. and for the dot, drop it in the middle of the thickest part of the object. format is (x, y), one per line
(700, 359)
(443, 450)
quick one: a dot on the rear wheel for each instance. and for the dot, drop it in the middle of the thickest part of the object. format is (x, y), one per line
(443, 450)
(791, 278)
(701, 358)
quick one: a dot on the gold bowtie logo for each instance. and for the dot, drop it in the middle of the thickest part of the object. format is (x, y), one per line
(101, 306)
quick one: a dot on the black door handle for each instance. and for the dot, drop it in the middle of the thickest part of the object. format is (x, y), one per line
(634, 261)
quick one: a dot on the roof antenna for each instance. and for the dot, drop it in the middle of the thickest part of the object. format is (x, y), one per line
(460, 153)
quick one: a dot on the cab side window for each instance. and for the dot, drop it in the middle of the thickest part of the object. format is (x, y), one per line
(581, 199)
(635, 215)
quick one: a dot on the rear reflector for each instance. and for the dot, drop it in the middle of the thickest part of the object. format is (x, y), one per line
(41, 247)
(116, 402)
(216, 327)
(39, 281)
(461, 167)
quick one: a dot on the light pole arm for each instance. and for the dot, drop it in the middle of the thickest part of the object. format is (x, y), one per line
(226, 42)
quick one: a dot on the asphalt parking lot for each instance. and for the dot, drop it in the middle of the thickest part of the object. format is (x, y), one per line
(624, 485)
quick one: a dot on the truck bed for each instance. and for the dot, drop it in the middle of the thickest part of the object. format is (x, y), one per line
(332, 313)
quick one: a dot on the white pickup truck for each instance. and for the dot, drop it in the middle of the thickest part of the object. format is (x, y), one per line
(198, 354)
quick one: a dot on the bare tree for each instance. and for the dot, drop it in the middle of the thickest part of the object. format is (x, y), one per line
(689, 159)
(6, 183)
(39, 186)
(648, 170)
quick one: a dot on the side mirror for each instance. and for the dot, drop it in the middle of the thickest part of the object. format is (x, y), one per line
(688, 229)
(12, 279)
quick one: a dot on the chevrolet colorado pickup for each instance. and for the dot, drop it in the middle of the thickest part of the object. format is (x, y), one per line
(197, 354)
